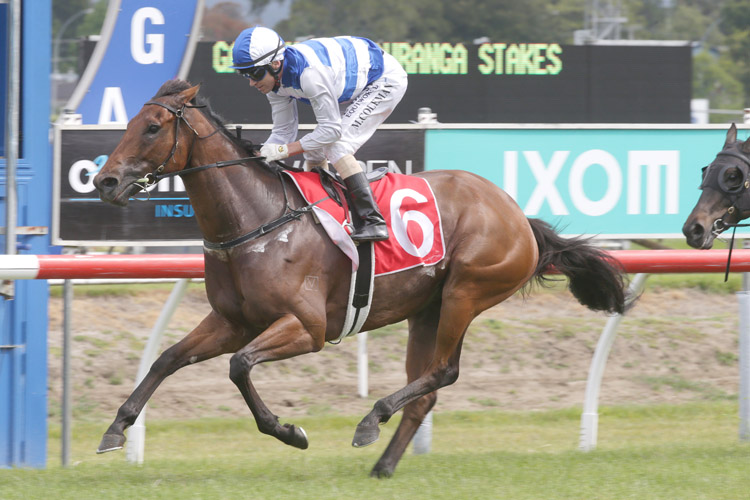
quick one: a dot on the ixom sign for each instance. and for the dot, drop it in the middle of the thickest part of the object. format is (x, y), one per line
(605, 182)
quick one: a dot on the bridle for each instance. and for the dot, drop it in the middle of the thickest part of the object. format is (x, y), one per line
(738, 194)
(152, 178)
(158, 174)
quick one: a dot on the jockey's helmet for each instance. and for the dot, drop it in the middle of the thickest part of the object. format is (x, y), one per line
(258, 46)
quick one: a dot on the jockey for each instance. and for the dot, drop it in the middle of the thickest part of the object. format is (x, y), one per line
(352, 86)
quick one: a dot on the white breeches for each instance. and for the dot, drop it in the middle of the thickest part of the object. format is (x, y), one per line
(361, 116)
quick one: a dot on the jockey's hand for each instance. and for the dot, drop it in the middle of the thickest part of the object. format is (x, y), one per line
(274, 152)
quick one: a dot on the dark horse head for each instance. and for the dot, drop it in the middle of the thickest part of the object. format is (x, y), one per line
(725, 197)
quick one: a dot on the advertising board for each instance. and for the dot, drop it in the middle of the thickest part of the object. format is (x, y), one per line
(600, 180)
(164, 216)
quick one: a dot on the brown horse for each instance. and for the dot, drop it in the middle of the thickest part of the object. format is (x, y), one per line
(725, 196)
(262, 310)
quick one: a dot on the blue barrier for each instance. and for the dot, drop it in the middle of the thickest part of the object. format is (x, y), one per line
(23, 320)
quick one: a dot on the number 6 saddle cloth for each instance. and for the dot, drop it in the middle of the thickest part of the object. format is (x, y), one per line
(409, 208)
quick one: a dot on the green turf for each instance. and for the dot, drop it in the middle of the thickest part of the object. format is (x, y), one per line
(651, 452)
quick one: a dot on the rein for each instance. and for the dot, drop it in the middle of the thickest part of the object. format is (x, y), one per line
(152, 178)
(717, 231)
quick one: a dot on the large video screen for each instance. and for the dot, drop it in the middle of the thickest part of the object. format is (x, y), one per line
(498, 83)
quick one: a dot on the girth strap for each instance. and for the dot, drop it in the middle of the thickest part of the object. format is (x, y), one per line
(262, 230)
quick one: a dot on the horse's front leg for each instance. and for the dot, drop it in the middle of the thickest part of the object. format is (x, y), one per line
(285, 338)
(212, 337)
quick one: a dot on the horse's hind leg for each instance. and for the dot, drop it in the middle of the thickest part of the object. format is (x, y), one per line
(421, 345)
(212, 337)
(285, 338)
(442, 370)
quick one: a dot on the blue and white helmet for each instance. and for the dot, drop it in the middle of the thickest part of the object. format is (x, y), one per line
(257, 46)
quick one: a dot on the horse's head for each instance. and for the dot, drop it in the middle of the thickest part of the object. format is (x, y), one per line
(725, 197)
(149, 145)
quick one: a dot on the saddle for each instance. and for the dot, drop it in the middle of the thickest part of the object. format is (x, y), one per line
(334, 185)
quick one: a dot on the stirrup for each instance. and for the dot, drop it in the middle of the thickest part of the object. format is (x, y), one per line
(373, 232)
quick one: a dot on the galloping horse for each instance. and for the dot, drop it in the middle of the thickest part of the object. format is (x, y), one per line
(262, 310)
(725, 196)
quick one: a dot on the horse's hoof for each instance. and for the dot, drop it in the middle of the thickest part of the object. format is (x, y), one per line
(299, 437)
(365, 435)
(381, 473)
(111, 442)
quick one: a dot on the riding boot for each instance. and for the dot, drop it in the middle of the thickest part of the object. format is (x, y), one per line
(369, 224)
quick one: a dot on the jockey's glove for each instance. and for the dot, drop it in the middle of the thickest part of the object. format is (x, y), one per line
(274, 152)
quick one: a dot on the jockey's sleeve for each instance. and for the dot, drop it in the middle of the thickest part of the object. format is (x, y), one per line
(319, 88)
(285, 119)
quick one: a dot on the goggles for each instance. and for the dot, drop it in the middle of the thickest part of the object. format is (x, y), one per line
(255, 73)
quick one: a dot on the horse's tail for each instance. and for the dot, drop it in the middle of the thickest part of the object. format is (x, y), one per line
(596, 279)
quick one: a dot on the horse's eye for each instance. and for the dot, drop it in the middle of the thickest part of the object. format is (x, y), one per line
(153, 128)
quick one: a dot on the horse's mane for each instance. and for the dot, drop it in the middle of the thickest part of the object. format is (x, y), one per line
(174, 87)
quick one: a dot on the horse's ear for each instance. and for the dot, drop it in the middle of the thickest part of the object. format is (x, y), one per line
(188, 95)
(746, 146)
(731, 136)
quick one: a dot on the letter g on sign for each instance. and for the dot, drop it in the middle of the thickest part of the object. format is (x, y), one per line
(76, 173)
(399, 223)
(139, 40)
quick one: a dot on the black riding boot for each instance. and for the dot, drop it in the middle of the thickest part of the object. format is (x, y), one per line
(369, 224)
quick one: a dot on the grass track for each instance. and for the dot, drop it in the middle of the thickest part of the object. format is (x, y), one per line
(688, 451)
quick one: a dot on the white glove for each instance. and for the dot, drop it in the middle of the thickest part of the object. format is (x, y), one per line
(274, 152)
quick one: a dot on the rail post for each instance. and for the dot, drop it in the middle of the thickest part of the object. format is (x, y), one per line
(362, 368)
(743, 301)
(67, 393)
(590, 415)
(423, 436)
(137, 434)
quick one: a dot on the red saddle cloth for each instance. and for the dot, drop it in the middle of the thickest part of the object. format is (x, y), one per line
(410, 210)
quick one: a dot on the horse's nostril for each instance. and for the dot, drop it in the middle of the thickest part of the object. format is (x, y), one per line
(109, 182)
(693, 231)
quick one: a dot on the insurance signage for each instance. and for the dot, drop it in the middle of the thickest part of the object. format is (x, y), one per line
(164, 215)
(605, 181)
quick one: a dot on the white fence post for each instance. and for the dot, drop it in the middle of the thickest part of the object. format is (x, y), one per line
(590, 415)
(362, 384)
(67, 395)
(743, 300)
(423, 438)
(137, 433)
